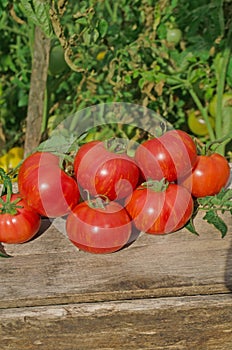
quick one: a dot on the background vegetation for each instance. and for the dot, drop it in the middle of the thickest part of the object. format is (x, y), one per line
(172, 56)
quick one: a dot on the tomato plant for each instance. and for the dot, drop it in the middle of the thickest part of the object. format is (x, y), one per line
(197, 124)
(101, 171)
(210, 174)
(95, 228)
(46, 187)
(169, 156)
(159, 208)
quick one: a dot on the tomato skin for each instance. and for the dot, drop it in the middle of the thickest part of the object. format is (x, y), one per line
(99, 231)
(174, 35)
(169, 156)
(160, 212)
(57, 63)
(103, 172)
(20, 227)
(46, 187)
(197, 124)
(38, 159)
(210, 174)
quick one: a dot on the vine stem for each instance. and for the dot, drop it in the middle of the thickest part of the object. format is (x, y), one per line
(222, 70)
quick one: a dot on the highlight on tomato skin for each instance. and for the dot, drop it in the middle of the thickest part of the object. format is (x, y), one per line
(99, 230)
(46, 187)
(170, 156)
(160, 211)
(102, 171)
(209, 176)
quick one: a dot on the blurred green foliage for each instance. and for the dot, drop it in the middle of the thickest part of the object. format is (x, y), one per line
(125, 53)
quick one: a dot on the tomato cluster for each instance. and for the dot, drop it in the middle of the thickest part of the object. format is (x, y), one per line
(110, 195)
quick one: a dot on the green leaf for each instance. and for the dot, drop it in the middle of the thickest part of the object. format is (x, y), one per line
(212, 218)
(56, 143)
(127, 79)
(95, 35)
(82, 20)
(3, 253)
(87, 37)
(103, 27)
(191, 227)
(221, 201)
(37, 12)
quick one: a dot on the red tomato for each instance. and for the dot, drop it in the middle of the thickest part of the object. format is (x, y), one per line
(19, 227)
(169, 156)
(38, 159)
(160, 212)
(46, 187)
(209, 176)
(103, 172)
(99, 230)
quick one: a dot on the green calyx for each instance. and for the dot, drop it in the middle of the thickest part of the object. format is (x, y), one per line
(8, 207)
(98, 202)
(156, 185)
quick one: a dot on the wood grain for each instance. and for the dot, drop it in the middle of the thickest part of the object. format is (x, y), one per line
(191, 323)
(50, 270)
(161, 292)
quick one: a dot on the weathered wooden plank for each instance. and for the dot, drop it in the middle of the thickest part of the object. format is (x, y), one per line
(178, 323)
(50, 270)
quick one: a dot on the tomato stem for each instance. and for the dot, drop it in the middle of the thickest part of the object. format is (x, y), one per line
(7, 206)
(221, 71)
(115, 145)
(218, 142)
(203, 112)
(155, 185)
(99, 201)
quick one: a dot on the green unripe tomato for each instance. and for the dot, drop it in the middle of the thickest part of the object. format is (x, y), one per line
(174, 35)
(57, 63)
(226, 104)
(197, 125)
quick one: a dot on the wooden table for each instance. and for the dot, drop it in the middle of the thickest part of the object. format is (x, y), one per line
(162, 292)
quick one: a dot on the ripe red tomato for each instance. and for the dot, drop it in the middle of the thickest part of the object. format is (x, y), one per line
(160, 212)
(46, 187)
(169, 156)
(99, 230)
(21, 226)
(103, 172)
(210, 174)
